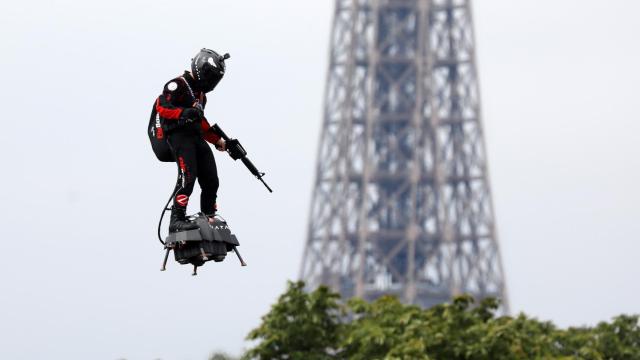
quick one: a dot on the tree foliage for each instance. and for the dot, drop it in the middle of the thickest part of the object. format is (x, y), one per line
(221, 356)
(318, 325)
(300, 326)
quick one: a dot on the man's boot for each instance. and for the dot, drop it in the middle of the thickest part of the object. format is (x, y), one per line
(211, 215)
(179, 221)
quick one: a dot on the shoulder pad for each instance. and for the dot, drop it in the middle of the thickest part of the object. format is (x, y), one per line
(173, 85)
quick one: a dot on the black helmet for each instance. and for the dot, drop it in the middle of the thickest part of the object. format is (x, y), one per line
(208, 69)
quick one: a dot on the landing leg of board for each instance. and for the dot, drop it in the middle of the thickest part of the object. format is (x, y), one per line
(204, 255)
(242, 263)
(166, 257)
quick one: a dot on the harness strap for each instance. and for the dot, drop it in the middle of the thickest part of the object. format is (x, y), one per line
(193, 96)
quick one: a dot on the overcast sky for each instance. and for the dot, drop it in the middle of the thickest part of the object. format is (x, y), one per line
(82, 191)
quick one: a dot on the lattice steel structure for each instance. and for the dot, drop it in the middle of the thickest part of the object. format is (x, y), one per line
(401, 204)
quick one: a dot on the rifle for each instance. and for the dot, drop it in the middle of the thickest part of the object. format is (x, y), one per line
(238, 152)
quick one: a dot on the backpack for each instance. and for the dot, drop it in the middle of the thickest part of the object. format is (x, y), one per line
(158, 138)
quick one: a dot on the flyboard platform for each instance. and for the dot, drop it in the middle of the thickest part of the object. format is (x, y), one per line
(211, 241)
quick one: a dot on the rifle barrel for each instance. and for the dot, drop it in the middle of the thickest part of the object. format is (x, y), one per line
(265, 184)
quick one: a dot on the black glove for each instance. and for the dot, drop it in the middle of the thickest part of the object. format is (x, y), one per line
(190, 115)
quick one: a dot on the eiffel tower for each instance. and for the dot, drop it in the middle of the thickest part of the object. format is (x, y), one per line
(402, 202)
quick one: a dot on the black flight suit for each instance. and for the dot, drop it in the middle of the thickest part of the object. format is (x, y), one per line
(187, 133)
